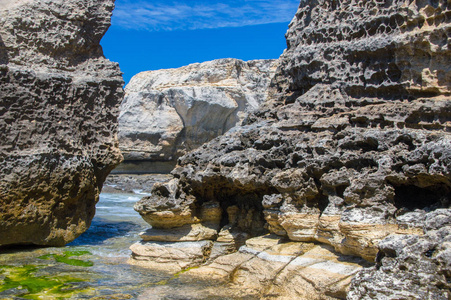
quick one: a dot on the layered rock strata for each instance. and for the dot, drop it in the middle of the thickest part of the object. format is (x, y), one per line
(351, 150)
(265, 268)
(59, 100)
(166, 113)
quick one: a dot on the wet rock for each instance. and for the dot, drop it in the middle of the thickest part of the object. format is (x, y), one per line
(59, 101)
(166, 113)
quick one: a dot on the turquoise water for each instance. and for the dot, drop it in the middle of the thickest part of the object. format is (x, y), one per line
(92, 267)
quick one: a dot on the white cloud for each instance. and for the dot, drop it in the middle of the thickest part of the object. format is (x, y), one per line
(161, 15)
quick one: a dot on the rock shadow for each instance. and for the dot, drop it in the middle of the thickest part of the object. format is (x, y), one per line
(4, 60)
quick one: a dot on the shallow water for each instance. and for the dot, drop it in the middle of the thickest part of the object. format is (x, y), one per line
(92, 267)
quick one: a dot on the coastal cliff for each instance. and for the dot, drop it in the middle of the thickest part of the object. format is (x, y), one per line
(167, 113)
(59, 100)
(351, 151)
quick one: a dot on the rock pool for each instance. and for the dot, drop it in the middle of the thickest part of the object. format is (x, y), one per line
(92, 267)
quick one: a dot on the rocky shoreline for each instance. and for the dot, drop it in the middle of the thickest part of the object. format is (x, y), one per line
(266, 267)
(132, 183)
(338, 186)
(350, 154)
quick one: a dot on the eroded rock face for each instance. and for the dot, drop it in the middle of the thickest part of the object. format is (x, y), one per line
(411, 266)
(353, 145)
(59, 101)
(166, 113)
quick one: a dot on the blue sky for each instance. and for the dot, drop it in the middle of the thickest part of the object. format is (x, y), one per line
(158, 34)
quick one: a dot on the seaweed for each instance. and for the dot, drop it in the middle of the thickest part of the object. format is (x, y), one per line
(65, 258)
(30, 286)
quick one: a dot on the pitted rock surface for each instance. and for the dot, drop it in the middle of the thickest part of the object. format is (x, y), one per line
(166, 113)
(353, 144)
(411, 266)
(59, 101)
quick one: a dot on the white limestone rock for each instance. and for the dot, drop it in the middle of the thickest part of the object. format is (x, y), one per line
(168, 112)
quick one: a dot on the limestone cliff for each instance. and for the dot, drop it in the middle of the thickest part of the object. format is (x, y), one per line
(352, 147)
(59, 101)
(166, 113)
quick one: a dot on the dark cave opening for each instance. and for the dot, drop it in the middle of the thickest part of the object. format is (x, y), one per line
(412, 197)
(321, 201)
(244, 212)
(340, 190)
(241, 206)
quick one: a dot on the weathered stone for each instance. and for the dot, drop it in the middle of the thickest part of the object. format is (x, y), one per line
(352, 149)
(227, 235)
(353, 139)
(168, 112)
(138, 184)
(191, 232)
(318, 274)
(268, 268)
(410, 266)
(170, 257)
(164, 211)
(59, 101)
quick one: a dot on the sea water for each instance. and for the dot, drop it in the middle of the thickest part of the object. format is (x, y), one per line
(94, 266)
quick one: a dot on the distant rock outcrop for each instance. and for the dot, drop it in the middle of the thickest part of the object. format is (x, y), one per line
(352, 150)
(59, 101)
(166, 113)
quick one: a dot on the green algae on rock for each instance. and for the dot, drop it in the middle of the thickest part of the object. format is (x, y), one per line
(28, 285)
(65, 258)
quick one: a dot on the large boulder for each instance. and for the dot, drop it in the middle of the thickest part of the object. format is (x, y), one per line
(352, 146)
(166, 113)
(59, 100)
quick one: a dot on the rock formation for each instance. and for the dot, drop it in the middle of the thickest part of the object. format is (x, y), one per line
(168, 112)
(411, 266)
(351, 150)
(264, 268)
(59, 101)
